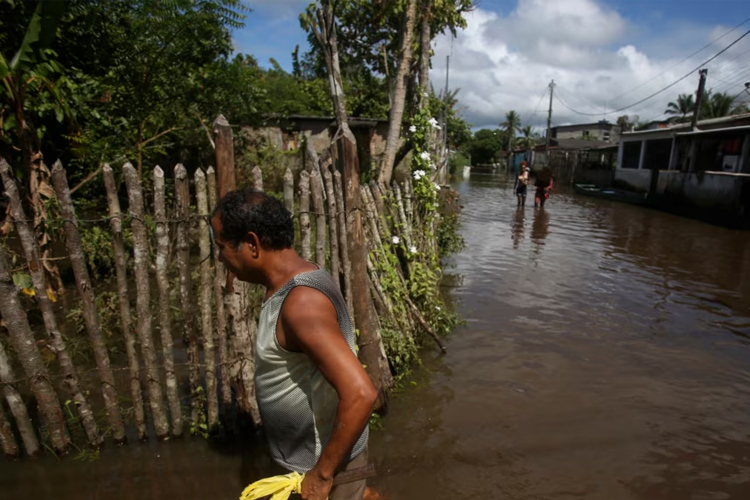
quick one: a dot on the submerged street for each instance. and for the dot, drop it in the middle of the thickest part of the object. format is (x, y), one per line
(604, 355)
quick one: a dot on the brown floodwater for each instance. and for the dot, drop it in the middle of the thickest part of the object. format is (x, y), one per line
(605, 355)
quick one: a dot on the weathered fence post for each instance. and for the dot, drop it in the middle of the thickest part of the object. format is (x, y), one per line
(224, 141)
(31, 360)
(209, 356)
(405, 226)
(165, 306)
(257, 178)
(241, 328)
(88, 305)
(115, 223)
(7, 439)
(304, 214)
(346, 266)
(57, 344)
(221, 321)
(289, 190)
(316, 188)
(333, 227)
(182, 200)
(15, 403)
(143, 298)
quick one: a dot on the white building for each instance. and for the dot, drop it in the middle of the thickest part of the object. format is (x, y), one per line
(707, 167)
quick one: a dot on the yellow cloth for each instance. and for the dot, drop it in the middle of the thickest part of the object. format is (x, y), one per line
(278, 486)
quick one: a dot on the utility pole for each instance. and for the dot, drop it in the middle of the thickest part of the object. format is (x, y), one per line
(549, 118)
(699, 97)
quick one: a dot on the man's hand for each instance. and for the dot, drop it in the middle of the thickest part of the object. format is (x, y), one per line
(315, 486)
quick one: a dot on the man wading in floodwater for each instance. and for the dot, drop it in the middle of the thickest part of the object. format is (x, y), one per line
(315, 398)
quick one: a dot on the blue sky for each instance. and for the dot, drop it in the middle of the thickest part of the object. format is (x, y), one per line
(596, 50)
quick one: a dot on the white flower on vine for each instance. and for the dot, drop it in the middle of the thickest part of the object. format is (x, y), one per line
(396, 240)
(437, 186)
(437, 307)
(425, 94)
(418, 174)
(433, 166)
(424, 155)
(413, 249)
(413, 129)
(434, 123)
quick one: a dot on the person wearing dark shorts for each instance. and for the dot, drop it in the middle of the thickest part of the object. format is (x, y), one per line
(521, 185)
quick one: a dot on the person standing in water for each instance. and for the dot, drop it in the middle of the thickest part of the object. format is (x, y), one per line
(521, 184)
(314, 396)
(543, 186)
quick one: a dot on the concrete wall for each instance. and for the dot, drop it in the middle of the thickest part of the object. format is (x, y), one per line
(714, 190)
(639, 180)
(598, 177)
(319, 133)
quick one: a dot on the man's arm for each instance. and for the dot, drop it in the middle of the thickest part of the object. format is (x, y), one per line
(309, 325)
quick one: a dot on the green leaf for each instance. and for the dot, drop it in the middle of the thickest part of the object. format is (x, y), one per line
(22, 280)
(40, 32)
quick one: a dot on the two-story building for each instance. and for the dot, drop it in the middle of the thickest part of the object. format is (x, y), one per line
(599, 131)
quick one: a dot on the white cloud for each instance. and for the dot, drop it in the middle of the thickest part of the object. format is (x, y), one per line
(505, 62)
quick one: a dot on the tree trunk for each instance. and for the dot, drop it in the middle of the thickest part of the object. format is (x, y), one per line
(88, 305)
(424, 45)
(332, 223)
(346, 265)
(165, 305)
(182, 200)
(209, 355)
(304, 214)
(31, 361)
(17, 408)
(128, 330)
(221, 321)
(370, 343)
(143, 299)
(316, 187)
(57, 344)
(396, 114)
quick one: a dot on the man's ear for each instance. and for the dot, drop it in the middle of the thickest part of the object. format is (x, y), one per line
(253, 243)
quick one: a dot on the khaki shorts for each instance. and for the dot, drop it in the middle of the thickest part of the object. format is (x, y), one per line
(355, 490)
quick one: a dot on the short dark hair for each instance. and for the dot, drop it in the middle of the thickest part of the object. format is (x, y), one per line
(249, 210)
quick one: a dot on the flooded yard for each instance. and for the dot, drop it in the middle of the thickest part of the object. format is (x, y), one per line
(605, 354)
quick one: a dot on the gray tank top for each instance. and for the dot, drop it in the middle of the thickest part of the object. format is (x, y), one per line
(297, 404)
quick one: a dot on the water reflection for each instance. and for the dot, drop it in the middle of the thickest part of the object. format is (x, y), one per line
(519, 220)
(605, 364)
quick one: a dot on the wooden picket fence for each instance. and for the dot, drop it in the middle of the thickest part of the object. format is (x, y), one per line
(217, 322)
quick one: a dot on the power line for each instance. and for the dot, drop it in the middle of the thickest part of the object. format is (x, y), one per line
(664, 88)
(687, 58)
(536, 108)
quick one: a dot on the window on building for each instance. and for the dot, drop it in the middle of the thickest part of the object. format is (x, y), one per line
(586, 134)
(631, 154)
(606, 136)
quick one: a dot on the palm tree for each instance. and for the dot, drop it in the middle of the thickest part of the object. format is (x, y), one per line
(529, 139)
(718, 105)
(512, 125)
(681, 108)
